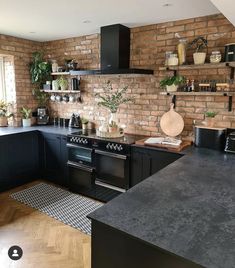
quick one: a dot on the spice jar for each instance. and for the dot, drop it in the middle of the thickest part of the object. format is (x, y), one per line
(173, 60)
(215, 57)
(181, 47)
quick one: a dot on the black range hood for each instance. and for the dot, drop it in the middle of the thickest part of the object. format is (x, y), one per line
(114, 52)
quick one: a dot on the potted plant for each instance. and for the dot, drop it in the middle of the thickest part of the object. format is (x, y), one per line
(171, 83)
(41, 96)
(84, 123)
(26, 114)
(4, 114)
(199, 44)
(63, 83)
(113, 127)
(210, 118)
(111, 99)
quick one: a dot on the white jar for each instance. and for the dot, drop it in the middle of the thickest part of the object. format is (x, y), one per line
(215, 57)
(173, 60)
(54, 66)
(55, 85)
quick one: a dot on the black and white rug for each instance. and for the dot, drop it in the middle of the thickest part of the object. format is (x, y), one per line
(60, 204)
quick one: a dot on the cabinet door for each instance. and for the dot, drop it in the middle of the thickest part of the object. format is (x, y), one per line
(64, 160)
(51, 156)
(4, 165)
(23, 157)
(145, 162)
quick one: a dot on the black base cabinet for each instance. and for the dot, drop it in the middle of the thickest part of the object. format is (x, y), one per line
(146, 161)
(53, 155)
(111, 248)
(18, 159)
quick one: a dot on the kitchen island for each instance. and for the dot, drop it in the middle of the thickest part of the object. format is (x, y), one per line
(181, 217)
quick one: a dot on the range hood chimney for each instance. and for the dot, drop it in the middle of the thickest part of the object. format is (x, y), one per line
(115, 52)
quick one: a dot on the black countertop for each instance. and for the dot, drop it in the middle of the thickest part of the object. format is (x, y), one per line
(187, 208)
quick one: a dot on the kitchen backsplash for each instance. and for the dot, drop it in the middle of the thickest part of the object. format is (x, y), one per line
(148, 47)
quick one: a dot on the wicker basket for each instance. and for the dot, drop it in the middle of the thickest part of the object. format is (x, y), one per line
(3, 121)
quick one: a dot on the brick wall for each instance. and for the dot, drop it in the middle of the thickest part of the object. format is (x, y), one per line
(21, 50)
(148, 46)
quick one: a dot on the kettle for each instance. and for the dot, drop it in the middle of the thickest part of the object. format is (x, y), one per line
(75, 121)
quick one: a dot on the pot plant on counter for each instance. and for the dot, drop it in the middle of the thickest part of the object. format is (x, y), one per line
(210, 118)
(26, 116)
(4, 114)
(171, 83)
(199, 44)
(84, 123)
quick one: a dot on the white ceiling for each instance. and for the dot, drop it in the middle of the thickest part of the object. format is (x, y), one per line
(227, 8)
(56, 19)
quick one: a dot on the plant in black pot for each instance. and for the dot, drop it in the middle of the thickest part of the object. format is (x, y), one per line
(171, 83)
(199, 44)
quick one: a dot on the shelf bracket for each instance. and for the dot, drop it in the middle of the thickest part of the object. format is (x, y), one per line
(174, 100)
(230, 103)
(231, 71)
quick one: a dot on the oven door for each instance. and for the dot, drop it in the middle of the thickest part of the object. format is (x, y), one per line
(81, 178)
(112, 170)
(80, 155)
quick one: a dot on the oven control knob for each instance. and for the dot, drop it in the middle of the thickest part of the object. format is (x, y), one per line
(86, 141)
(79, 140)
(115, 147)
(108, 146)
(120, 148)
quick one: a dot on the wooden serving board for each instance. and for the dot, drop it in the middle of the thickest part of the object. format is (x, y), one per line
(171, 148)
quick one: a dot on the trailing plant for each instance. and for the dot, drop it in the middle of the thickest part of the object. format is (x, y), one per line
(4, 109)
(40, 69)
(198, 43)
(112, 99)
(26, 112)
(41, 97)
(172, 80)
(210, 114)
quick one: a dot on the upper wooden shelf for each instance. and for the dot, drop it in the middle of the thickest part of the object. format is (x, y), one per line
(60, 91)
(198, 66)
(61, 73)
(201, 93)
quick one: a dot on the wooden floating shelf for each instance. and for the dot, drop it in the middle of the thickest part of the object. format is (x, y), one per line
(198, 66)
(61, 73)
(61, 91)
(204, 93)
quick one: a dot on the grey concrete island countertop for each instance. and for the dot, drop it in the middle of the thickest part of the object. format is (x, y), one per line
(187, 208)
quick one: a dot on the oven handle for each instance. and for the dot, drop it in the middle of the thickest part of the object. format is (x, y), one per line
(106, 185)
(69, 145)
(123, 157)
(75, 165)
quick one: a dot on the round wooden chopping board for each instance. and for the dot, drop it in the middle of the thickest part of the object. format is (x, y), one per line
(172, 123)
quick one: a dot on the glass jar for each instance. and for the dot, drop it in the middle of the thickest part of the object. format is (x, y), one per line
(173, 60)
(215, 57)
(54, 66)
(181, 47)
(167, 56)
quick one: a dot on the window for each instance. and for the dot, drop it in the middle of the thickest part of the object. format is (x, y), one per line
(7, 79)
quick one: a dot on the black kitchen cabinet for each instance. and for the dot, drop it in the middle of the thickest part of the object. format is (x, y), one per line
(18, 159)
(147, 161)
(54, 158)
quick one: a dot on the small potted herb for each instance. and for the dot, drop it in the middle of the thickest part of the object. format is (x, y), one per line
(26, 116)
(199, 44)
(84, 123)
(63, 83)
(4, 113)
(113, 127)
(210, 118)
(171, 83)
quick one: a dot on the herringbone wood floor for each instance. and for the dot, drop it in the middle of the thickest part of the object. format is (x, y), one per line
(46, 242)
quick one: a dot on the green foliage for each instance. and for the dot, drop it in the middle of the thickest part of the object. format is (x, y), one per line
(84, 120)
(41, 97)
(172, 80)
(211, 114)
(198, 43)
(112, 99)
(40, 70)
(62, 82)
(3, 109)
(26, 112)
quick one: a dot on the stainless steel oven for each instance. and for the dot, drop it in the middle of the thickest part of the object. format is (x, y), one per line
(112, 167)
